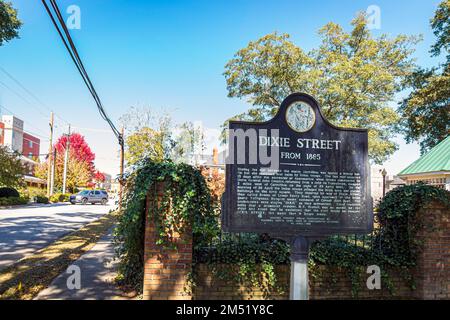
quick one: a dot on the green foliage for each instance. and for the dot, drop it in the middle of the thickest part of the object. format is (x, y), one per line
(188, 142)
(353, 75)
(400, 223)
(191, 208)
(12, 170)
(33, 192)
(154, 137)
(247, 259)
(145, 143)
(60, 197)
(247, 248)
(12, 201)
(426, 111)
(441, 28)
(8, 192)
(393, 246)
(148, 135)
(9, 22)
(41, 199)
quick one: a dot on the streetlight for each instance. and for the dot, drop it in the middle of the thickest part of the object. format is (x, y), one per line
(383, 173)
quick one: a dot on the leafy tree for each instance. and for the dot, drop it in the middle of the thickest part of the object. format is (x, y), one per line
(80, 166)
(440, 24)
(148, 135)
(152, 136)
(145, 143)
(79, 149)
(353, 75)
(99, 177)
(426, 111)
(78, 173)
(215, 181)
(9, 23)
(12, 170)
(189, 142)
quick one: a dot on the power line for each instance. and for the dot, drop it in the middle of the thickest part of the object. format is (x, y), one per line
(9, 111)
(92, 129)
(21, 85)
(30, 133)
(70, 46)
(15, 92)
(80, 67)
(31, 94)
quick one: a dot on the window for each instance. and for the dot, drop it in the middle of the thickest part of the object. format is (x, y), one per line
(30, 143)
(437, 182)
(30, 155)
(97, 193)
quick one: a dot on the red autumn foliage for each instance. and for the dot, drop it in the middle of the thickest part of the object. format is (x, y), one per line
(99, 177)
(79, 149)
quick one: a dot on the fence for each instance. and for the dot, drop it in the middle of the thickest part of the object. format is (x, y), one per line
(373, 240)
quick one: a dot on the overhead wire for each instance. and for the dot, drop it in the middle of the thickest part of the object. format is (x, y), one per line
(70, 46)
(31, 94)
(14, 114)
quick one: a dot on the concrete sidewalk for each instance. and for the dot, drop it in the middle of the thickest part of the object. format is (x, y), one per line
(98, 271)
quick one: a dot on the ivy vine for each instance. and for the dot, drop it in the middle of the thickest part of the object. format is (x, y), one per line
(191, 208)
(393, 245)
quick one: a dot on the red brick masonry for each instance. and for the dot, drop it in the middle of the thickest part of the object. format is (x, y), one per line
(166, 271)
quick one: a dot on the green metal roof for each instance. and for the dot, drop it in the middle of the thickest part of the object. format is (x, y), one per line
(437, 159)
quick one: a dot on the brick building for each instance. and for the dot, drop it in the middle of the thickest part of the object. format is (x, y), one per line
(2, 132)
(13, 133)
(13, 136)
(30, 146)
(432, 168)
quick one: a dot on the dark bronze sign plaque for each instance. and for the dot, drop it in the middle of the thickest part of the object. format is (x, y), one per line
(297, 174)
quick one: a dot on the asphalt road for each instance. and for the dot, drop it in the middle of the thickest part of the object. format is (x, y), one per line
(27, 229)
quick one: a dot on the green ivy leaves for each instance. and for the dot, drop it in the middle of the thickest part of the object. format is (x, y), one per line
(183, 204)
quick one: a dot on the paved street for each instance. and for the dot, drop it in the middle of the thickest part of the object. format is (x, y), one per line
(27, 229)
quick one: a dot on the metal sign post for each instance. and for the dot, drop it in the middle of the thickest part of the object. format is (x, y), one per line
(299, 269)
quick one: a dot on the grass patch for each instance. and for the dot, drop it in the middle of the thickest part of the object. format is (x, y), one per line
(27, 277)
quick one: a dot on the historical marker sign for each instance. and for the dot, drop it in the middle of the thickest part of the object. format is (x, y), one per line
(297, 174)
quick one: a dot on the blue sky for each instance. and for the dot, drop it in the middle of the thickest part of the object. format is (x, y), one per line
(169, 54)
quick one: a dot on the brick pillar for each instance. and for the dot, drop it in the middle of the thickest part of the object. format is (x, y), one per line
(165, 271)
(433, 265)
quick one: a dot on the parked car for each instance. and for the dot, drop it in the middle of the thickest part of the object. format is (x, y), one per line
(90, 196)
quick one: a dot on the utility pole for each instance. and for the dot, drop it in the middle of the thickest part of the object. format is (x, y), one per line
(50, 157)
(66, 159)
(122, 160)
(52, 182)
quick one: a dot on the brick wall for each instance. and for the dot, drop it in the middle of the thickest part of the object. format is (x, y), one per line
(433, 270)
(209, 286)
(330, 283)
(165, 271)
(30, 146)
